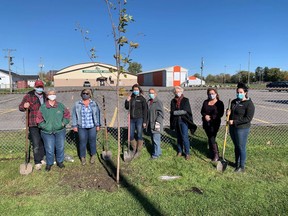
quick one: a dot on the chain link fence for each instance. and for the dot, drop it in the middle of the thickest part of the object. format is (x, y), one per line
(269, 126)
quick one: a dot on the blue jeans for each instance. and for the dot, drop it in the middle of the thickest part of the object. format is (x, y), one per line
(182, 138)
(136, 123)
(239, 137)
(52, 142)
(156, 141)
(87, 135)
(37, 143)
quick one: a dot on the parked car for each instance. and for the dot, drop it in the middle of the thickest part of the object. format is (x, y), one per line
(86, 84)
(278, 86)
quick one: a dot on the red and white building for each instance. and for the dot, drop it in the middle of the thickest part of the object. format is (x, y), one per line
(165, 77)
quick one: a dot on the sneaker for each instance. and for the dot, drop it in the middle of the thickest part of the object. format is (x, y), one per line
(38, 166)
(187, 157)
(92, 159)
(48, 168)
(179, 154)
(43, 162)
(60, 165)
(83, 161)
(239, 170)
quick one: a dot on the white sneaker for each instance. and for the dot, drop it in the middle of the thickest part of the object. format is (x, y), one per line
(43, 162)
(38, 166)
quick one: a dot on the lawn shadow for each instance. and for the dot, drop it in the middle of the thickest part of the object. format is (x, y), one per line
(142, 199)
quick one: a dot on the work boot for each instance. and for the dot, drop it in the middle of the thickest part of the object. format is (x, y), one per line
(139, 145)
(92, 159)
(48, 168)
(133, 143)
(215, 152)
(83, 161)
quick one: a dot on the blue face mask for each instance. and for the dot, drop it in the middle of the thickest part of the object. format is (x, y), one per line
(136, 92)
(39, 90)
(240, 96)
(85, 96)
(152, 96)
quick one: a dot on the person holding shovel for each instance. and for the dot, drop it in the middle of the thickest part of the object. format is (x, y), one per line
(155, 122)
(180, 118)
(32, 102)
(241, 115)
(86, 122)
(52, 119)
(138, 117)
(212, 110)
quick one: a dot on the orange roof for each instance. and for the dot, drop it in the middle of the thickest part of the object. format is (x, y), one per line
(192, 78)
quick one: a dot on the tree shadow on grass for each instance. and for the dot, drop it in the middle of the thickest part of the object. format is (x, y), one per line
(124, 182)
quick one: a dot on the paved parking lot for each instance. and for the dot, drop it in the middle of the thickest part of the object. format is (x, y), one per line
(271, 107)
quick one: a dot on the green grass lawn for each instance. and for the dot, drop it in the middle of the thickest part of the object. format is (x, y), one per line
(262, 190)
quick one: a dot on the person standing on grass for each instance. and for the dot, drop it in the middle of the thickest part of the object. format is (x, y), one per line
(32, 102)
(86, 121)
(138, 117)
(155, 122)
(180, 116)
(52, 119)
(241, 115)
(212, 110)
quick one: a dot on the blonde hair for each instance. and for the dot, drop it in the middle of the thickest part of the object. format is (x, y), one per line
(153, 89)
(179, 88)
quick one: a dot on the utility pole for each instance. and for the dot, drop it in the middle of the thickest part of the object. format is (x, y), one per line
(202, 65)
(248, 69)
(41, 65)
(10, 62)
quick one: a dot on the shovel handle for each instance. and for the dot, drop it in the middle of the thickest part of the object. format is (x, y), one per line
(226, 128)
(26, 135)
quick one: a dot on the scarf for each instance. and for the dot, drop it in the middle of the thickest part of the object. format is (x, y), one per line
(178, 101)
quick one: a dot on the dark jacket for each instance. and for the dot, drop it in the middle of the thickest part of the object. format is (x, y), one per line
(155, 114)
(215, 111)
(242, 113)
(185, 106)
(138, 107)
(33, 108)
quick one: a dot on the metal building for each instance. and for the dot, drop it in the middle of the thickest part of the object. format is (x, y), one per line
(165, 77)
(92, 74)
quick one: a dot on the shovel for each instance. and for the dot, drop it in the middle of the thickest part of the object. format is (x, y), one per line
(222, 164)
(27, 167)
(106, 154)
(128, 155)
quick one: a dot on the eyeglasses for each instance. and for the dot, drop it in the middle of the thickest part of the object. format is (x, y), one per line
(84, 93)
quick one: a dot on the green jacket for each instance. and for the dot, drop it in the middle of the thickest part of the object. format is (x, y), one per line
(52, 119)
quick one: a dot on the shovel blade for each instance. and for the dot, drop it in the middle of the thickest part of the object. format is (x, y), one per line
(127, 156)
(106, 155)
(26, 169)
(221, 166)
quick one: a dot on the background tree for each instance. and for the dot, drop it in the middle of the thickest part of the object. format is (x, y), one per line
(134, 68)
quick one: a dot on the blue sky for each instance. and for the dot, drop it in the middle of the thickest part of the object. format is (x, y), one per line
(169, 32)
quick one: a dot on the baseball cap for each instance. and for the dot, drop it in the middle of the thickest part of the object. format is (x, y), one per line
(39, 83)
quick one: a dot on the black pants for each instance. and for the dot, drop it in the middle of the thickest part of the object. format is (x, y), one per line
(211, 132)
(37, 143)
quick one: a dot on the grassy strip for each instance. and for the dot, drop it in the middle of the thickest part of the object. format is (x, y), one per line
(262, 190)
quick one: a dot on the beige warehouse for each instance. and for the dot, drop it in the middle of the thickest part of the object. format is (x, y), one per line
(98, 74)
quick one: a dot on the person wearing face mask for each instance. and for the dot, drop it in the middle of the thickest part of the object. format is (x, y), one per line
(52, 119)
(241, 115)
(138, 117)
(32, 102)
(155, 122)
(86, 122)
(180, 116)
(212, 110)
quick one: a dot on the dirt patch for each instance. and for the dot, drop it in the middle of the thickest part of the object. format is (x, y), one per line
(99, 176)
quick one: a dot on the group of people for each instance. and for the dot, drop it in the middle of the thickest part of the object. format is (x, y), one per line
(150, 115)
(47, 119)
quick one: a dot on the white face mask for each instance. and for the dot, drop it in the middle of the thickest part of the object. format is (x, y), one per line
(52, 97)
(178, 94)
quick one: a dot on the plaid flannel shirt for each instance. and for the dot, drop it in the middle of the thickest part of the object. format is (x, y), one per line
(33, 108)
